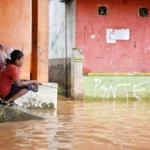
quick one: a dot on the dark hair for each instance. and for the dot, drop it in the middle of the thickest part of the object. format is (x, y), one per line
(16, 54)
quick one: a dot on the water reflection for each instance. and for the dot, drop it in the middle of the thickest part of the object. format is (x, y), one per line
(80, 125)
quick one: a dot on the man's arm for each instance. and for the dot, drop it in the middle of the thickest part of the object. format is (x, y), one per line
(21, 83)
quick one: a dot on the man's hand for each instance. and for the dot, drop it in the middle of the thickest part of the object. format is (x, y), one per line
(35, 83)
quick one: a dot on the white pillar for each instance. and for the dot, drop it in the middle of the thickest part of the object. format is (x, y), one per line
(77, 87)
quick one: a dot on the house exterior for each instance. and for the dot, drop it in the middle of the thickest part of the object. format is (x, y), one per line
(115, 43)
(114, 36)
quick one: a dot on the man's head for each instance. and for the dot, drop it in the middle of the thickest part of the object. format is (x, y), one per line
(17, 58)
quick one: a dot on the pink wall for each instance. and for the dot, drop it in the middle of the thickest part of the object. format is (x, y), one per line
(123, 56)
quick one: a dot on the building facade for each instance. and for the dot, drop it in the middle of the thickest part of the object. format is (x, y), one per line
(115, 42)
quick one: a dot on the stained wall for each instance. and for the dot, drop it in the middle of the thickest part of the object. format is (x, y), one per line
(123, 56)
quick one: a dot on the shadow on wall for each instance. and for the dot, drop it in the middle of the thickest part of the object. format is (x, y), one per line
(61, 74)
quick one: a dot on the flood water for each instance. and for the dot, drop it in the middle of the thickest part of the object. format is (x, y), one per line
(79, 125)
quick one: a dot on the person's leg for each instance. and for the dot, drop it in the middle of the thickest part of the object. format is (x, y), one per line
(17, 92)
(17, 95)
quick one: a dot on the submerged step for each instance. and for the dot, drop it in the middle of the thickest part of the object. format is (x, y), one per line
(15, 114)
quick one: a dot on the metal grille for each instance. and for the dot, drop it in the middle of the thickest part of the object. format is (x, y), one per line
(143, 12)
(102, 10)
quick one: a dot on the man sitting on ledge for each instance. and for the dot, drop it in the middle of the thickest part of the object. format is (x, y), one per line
(11, 86)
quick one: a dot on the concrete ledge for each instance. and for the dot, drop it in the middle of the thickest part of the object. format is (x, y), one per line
(45, 98)
(14, 114)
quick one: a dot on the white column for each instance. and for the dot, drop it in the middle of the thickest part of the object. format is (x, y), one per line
(77, 86)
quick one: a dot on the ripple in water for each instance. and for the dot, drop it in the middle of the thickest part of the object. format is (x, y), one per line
(80, 125)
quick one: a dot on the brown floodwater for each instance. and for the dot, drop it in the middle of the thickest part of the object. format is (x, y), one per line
(80, 125)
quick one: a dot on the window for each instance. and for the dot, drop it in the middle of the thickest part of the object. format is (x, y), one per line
(143, 12)
(102, 10)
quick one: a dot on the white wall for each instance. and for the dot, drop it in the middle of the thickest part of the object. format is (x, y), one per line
(71, 22)
(62, 41)
(57, 44)
(57, 29)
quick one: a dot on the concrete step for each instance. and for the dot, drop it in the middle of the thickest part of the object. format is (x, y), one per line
(45, 98)
(15, 114)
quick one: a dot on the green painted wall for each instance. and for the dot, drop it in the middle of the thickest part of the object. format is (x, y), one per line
(117, 87)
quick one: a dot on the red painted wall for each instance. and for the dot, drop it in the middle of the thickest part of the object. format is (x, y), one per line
(124, 56)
